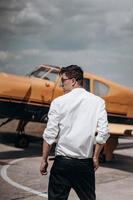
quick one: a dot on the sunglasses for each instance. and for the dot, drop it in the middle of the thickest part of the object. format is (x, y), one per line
(65, 79)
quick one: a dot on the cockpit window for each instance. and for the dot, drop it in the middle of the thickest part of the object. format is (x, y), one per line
(45, 73)
(100, 88)
(39, 73)
(52, 75)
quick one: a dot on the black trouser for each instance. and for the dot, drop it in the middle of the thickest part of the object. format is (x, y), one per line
(67, 173)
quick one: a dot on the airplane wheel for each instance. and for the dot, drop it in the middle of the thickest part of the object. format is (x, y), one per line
(102, 158)
(22, 141)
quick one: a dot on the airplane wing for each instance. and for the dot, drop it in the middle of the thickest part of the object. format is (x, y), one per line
(121, 129)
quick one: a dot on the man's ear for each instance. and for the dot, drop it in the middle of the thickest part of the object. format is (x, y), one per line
(73, 81)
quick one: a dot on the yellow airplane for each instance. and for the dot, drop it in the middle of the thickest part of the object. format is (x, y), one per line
(28, 98)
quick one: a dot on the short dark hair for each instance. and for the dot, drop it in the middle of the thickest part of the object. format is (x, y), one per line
(73, 71)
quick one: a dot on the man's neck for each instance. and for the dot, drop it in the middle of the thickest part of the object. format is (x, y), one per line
(76, 86)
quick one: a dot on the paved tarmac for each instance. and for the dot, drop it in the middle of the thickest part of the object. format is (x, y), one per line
(20, 177)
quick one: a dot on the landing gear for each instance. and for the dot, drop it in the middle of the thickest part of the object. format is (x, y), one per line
(110, 146)
(106, 154)
(102, 158)
(22, 141)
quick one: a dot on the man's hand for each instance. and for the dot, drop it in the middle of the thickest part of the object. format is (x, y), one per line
(98, 148)
(95, 163)
(43, 167)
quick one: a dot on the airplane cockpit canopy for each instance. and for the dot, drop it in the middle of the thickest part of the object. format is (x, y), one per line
(100, 89)
(46, 72)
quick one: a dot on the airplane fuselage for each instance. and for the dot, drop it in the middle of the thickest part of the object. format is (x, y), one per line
(29, 97)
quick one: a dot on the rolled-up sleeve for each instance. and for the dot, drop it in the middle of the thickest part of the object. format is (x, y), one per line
(102, 126)
(51, 131)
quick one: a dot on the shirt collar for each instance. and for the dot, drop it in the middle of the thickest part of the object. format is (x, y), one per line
(79, 89)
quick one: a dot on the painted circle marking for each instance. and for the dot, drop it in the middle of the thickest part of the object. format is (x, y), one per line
(17, 185)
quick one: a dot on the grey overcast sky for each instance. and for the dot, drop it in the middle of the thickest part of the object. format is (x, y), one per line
(95, 34)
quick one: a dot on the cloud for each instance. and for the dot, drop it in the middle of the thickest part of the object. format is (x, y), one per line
(30, 52)
(4, 56)
(28, 16)
(94, 34)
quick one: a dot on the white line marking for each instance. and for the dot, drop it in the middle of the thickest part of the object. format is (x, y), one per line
(17, 185)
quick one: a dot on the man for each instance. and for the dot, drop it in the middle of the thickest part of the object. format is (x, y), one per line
(73, 120)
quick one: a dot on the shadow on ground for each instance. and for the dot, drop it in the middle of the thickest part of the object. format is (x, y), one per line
(120, 162)
(34, 149)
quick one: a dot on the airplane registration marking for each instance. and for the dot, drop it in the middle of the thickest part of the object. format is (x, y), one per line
(15, 184)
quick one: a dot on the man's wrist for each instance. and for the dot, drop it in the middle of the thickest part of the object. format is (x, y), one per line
(95, 157)
(44, 159)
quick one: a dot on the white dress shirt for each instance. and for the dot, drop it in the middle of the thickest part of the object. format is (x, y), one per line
(73, 121)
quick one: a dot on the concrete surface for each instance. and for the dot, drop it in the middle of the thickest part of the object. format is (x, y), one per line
(114, 180)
